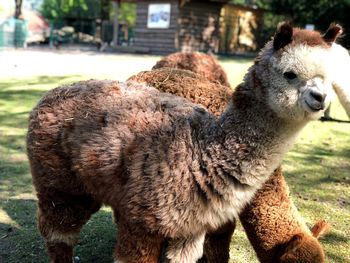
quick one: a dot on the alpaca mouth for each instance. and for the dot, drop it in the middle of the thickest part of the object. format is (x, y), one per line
(315, 107)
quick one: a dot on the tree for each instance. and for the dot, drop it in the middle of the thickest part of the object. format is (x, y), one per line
(60, 9)
(318, 12)
(301, 12)
(18, 9)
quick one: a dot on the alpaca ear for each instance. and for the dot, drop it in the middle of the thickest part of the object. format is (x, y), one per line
(332, 33)
(283, 36)
(295, 243)
(289, 253)
(320, 229)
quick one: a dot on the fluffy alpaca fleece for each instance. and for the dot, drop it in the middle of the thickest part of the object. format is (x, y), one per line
(341, 84)
(271, 219)
(275, 228)
(188, 85)
(168, 168)
(202, 64)
(213, 97)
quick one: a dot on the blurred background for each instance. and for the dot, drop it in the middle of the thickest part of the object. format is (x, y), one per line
(218, 26)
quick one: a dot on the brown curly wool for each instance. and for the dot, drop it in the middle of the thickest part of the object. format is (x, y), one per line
(188, 85)
(276, 229)
(200, 63)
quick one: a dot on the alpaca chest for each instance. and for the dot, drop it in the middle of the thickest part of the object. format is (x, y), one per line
(230, 206)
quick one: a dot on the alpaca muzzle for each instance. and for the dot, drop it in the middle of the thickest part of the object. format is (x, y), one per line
(316, 97)
(316, 100)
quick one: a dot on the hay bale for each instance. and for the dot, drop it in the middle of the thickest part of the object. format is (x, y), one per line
(202, 64)
(188, 85)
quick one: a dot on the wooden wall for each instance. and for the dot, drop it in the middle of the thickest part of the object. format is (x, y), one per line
(195, 26)
(199, 26)
(156, 41)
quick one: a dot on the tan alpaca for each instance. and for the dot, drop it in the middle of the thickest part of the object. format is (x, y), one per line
(275, 228)
(202, 64)
(168, 168)
(189, 85)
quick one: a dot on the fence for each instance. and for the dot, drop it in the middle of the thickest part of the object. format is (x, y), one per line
(13, 33)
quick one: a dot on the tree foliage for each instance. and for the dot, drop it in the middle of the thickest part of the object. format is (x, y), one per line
(60, 9)
(127, 13)
(301, 12)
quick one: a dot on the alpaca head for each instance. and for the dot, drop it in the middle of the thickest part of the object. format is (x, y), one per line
(296, 65)
(305, 248)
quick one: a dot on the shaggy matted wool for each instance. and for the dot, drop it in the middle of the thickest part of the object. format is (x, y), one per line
(200, 63)
(188, 85)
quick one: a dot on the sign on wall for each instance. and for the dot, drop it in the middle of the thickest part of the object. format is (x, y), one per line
(158, 16)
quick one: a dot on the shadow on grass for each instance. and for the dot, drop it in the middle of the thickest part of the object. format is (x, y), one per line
(15, 120)
(39, 80)
(24, 243)
(333, 238)
(16, 93)
(237, 58)
(11, 143)
(335, 258)
(15, 178)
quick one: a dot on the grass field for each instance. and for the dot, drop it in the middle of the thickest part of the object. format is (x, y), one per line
(317, 170)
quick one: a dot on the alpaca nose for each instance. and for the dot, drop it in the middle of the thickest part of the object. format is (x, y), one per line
(318, 96)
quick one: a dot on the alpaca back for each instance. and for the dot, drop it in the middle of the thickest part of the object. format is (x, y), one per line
(189, 85)
(199, 63)
(121, 143)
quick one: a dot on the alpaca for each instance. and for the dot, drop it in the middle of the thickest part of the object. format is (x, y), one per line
(188, 85)
(275, 228)
(271, 219)
(168, 168)
(213, 97)
(202, 64)
(341, 83)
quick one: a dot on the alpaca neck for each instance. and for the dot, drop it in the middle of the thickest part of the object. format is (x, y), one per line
(255, 138)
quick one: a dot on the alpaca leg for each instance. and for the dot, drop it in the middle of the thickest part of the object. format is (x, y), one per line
(217, 244)
(185, 250)
(134, 245)
(60, 218)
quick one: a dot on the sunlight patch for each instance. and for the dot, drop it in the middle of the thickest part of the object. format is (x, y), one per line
(7, 220)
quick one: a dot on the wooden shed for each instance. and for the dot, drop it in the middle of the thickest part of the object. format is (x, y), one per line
(166, 26)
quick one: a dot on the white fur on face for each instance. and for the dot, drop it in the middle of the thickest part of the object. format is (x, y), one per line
(291, 98)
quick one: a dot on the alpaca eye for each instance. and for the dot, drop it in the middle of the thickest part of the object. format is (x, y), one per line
(289, 75)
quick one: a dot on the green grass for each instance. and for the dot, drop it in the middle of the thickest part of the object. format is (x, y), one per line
(317, 170)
